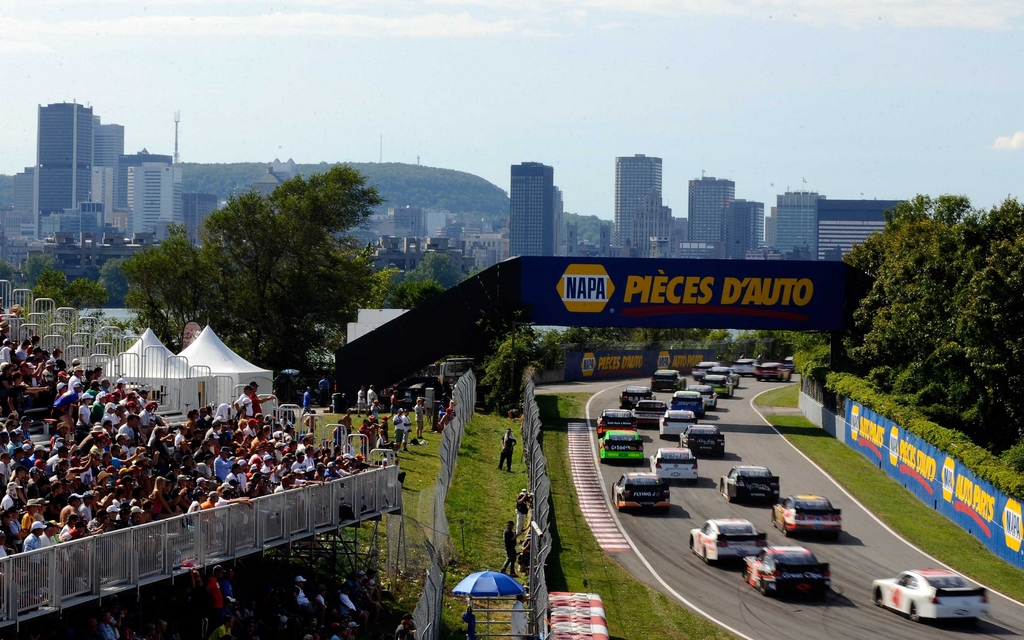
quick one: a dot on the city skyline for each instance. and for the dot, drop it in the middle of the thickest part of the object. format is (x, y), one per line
(875, 98)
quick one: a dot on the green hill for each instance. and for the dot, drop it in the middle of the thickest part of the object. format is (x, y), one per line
(399, 184)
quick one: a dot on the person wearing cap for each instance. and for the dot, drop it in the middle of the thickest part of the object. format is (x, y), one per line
(243, 405)
(301, 600)
(215, 597)
(405, 629)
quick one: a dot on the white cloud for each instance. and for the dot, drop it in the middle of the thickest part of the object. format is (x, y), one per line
(1009, 143)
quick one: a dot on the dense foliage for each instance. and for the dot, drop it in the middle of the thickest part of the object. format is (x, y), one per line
(942, 327)
(80, 293)
(397, 184)
(278, 277)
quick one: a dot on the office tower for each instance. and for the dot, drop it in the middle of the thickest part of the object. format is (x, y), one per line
(572, 239)
(845, 223)
(682, 229)
(708, 200)
(121, 179)
(635, 177)
(653, 228)
(744, 228)
(771, 228)
(107, 143)
(409, 221)
(63, 174)
(531, 217)
(604, 239)
(103, 188)
(154, 197)
(194, 209)
(797, 227)
(559, 226)
(24, 190)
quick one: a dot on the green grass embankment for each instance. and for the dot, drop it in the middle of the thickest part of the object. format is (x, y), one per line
(634, 610)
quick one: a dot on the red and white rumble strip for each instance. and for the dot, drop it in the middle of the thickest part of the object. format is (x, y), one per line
(588, 486)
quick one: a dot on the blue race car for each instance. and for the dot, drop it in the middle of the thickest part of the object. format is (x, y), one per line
(688, 401)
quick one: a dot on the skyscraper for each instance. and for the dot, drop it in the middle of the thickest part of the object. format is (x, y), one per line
(102, 189)
(559, 209)
(121, 179)
(652, 227)
(845, 223)
(744, 228)
(154, 196)
(708, 202)
(635, 177)
(797, 227)
(63, 175)
(194, 209)
(107, 143)
(531, 219)
(771, 229)
(24, 190)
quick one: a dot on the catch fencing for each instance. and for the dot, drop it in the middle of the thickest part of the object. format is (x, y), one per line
(437, 540)
(54, 578)
(540, 527)
(938, 479)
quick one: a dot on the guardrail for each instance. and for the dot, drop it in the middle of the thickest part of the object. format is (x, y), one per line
(71, 573)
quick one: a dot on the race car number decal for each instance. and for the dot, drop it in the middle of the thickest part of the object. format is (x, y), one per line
(896, 596)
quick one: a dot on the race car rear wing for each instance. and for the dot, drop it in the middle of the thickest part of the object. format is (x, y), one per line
(960, 593)
(742, 537)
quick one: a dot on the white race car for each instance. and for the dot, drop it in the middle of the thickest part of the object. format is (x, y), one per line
(723, 538)
(675, 421)
(706, 393)
(675, 463)
(931, 593)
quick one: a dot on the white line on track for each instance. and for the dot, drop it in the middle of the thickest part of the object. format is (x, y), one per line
(862, 507)
(615, 517)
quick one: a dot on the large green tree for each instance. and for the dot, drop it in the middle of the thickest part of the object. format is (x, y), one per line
(410, 295)
(113, 279)
(437, 267)
(35, 265)
(79, 293)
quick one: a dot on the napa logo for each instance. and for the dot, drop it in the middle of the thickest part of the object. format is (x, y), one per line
(1012, 524)
(894, 446)
(664, 360)
(854, 421)
(948, 479)
(589, 364)
(585, 288)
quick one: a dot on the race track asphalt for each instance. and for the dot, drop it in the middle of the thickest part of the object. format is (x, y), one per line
(864, 552)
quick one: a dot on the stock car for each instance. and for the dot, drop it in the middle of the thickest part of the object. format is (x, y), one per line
(787, 570)
(688, 400)
(641, 490)
(620, 445)
(675, 422)
(788, 364)
(633, 394)
(619, 419)
(707, 394)
(730, 375)
(702, 367)
(703, 438)
(648, 413)
(772, 371)
(744, 366)
(931, 593)
(719, 384)
(747, 482)
(807, 514)
(675, 463)
(724, 538)
(667, 380)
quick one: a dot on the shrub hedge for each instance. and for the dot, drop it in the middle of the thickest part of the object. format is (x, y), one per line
(979, 460)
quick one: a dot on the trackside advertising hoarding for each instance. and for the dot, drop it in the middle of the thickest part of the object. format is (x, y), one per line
(939, 480)
(623, 363)
(639, 292)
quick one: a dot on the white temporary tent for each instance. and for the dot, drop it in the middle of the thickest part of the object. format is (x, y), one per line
(209, 351)
(148, 358)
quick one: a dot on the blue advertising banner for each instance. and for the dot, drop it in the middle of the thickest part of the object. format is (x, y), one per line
(939, 480)
(641, 292)
(627, 363)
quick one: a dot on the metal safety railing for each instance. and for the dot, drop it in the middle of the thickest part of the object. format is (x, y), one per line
(55, 578)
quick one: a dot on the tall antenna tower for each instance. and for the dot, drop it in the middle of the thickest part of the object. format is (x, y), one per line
(177, 118)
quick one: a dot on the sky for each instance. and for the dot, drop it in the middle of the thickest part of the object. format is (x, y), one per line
(850, 98)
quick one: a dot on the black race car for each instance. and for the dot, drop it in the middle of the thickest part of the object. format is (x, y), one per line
(632, 395)
(703, 440)
(787, 571)
(749, 483)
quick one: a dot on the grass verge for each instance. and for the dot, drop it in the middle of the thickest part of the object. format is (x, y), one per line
(899, 508)
(633, 609)
(785, 396)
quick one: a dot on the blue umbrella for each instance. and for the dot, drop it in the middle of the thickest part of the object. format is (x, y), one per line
(488, 584)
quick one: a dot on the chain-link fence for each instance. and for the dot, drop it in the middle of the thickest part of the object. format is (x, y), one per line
(540, 488)
(433, 534)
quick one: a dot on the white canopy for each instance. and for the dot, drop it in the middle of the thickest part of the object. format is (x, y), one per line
(208, 350)
(148, 358)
